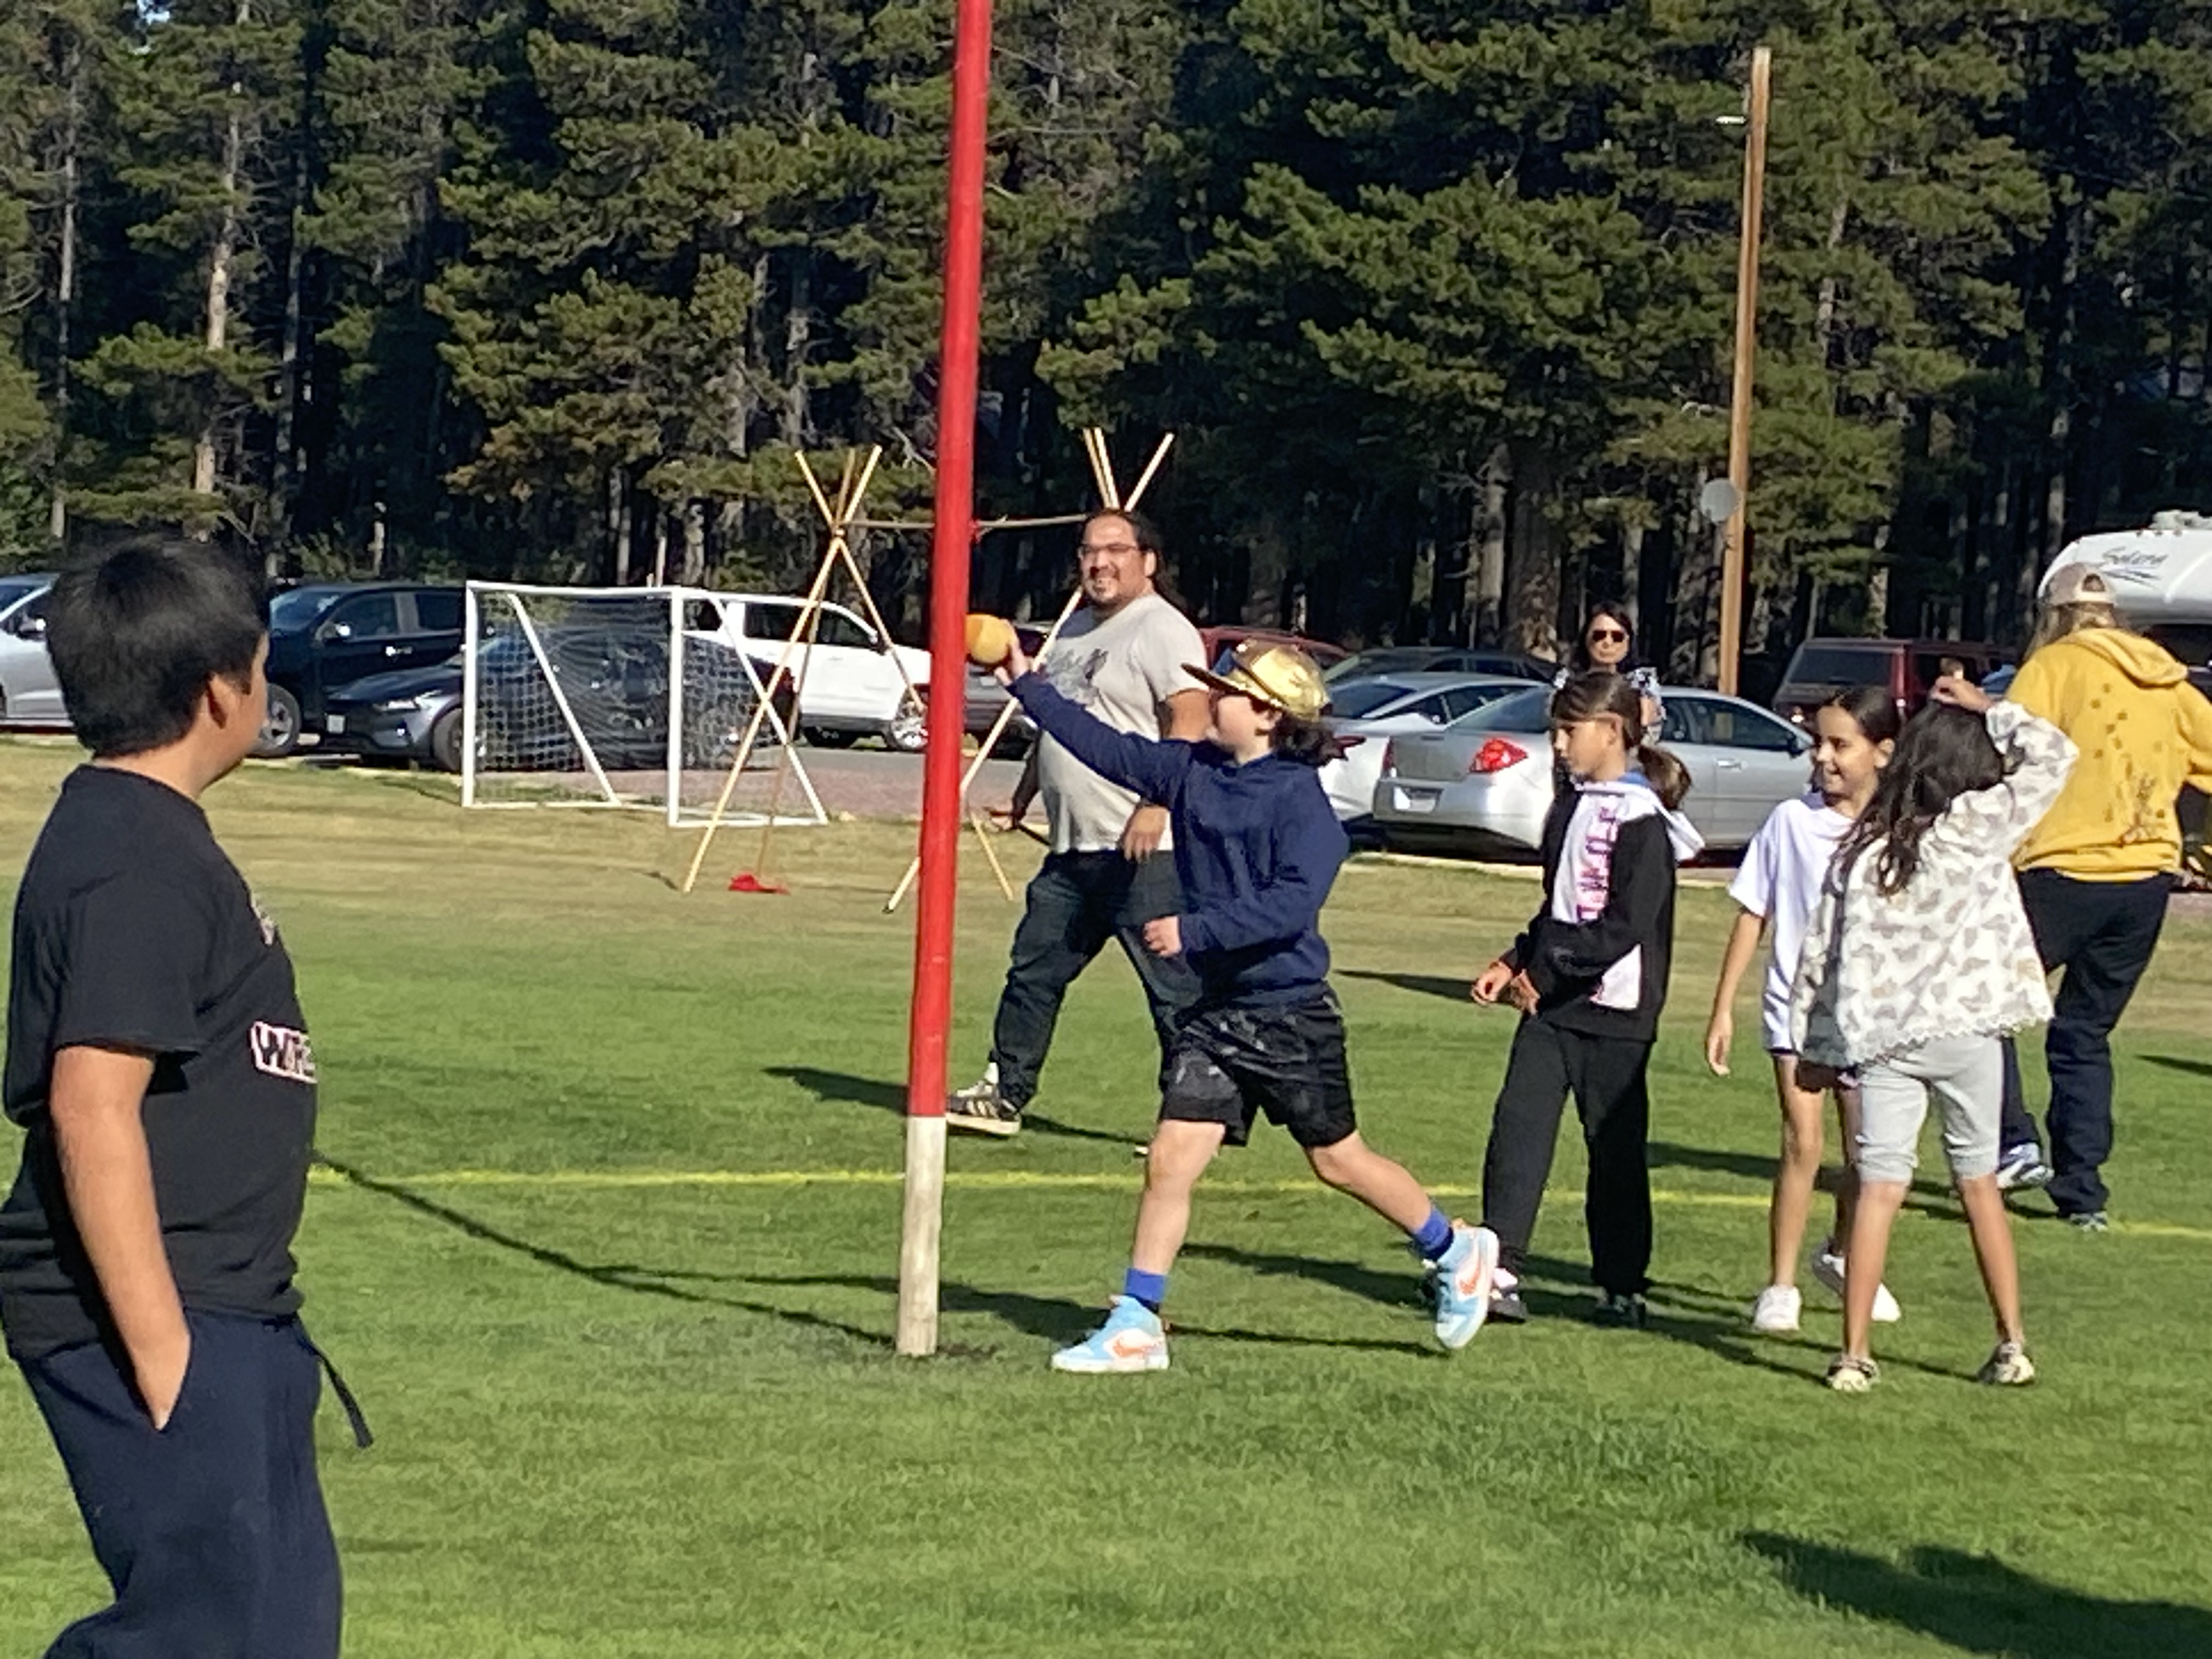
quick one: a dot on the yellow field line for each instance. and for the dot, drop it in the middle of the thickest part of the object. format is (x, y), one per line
(1019, 1179)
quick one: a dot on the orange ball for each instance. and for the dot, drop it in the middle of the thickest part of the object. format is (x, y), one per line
(990, 640)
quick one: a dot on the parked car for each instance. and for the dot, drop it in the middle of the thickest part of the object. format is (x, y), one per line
(1365, 714)
(850, 681)
(614, 675)
(29, 694)
(1486, 783)
(1438, 660)
(1821, 667)
(1228, 636)
(323, 635)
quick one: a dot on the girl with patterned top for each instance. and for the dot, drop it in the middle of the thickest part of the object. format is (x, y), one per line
(1917, 961)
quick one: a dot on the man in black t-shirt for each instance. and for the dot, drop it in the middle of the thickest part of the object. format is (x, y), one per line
(160, 1068)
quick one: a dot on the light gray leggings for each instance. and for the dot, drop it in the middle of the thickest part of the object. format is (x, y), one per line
(1966, 1077)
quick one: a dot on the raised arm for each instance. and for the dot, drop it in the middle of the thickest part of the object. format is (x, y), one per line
(2036, 758)
(1154, 769)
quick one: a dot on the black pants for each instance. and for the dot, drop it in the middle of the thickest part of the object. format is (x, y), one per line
(211, 1530)
(1076, 902)
(2102, 934)
(1605, 1075)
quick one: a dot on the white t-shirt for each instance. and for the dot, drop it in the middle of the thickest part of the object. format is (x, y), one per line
(1123, 669)
(1780, 879)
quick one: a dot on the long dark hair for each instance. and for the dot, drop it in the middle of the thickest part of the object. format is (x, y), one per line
(1578, 659)
(1307, 742)
(1586, 696)
(1942, 753)
(1872, 709)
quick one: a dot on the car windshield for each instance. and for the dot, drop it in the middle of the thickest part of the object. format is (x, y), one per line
(1522, 711)
(1841, 665)
(299, 607)
(15, 590)
(1363, 698)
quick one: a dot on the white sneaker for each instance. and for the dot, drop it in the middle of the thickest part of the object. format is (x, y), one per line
(1828, 1268)
(1776, 1310)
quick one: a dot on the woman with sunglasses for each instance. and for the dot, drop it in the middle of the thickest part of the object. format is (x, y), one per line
(1607, 645)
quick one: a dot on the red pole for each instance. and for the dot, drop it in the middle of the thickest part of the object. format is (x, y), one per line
(948, 652)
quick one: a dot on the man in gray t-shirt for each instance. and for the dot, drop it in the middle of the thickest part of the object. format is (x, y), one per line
(1122, 656)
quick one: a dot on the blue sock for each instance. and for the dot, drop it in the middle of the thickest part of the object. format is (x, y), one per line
(1433, 1236)
(1151, 1289)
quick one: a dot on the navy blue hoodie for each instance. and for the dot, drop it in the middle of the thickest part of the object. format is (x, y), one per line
(1256, 847)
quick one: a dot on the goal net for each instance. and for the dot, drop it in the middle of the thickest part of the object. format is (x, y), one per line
(609, 696)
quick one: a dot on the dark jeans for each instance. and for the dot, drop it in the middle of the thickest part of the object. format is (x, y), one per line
(2102, 935)
(1605, 1075)
(211, 1530)
(1076, 902)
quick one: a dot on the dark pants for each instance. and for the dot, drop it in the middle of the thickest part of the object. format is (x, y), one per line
(211, 1530)
(2102, 934)
(1605, 1075)
(1077, 903)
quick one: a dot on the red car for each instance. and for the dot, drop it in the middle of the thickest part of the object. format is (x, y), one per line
(1230, 636)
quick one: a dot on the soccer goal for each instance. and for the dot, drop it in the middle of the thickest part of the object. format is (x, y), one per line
(613, 697)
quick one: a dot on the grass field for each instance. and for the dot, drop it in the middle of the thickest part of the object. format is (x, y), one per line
(608, 1243)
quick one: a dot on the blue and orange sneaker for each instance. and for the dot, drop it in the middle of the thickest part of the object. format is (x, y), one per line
(1130, 1339)
(1464, 1274)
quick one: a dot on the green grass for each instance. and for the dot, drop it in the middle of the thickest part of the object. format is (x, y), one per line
(613, 1275)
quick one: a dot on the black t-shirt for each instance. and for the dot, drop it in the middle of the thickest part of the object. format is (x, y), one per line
(133, 930)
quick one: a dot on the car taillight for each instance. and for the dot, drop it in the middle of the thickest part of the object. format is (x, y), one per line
(1390, 756)
(1496, 755)
(1348, 745)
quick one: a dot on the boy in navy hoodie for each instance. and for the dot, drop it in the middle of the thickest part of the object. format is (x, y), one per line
(1256, 848)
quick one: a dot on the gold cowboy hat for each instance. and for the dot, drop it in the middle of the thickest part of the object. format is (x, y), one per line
(1280, 676)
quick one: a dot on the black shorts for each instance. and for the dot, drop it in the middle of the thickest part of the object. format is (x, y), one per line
(1226, 1064)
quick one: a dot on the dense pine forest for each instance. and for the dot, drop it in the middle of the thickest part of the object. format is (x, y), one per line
(1436, 294)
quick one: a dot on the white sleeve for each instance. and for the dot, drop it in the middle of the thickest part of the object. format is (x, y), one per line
(1754, 886)
(2037, 757)
(1169, 644)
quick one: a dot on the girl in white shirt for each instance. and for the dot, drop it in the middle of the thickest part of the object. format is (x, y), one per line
(1918, 960)
(1776, 889)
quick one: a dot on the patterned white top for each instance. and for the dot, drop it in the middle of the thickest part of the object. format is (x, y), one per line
(1951, 955)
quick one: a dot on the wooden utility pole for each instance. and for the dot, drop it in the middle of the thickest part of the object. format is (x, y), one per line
(1746, 349)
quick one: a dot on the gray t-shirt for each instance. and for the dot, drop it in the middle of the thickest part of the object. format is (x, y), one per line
(1123, 669)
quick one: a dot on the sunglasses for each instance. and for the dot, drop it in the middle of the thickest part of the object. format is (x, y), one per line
(1607, 636)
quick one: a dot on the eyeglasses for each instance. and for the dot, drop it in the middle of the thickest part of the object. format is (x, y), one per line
(1107, 550)
(1609, 635)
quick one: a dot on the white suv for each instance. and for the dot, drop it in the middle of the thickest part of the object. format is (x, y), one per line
(29, 694)
(851, 683)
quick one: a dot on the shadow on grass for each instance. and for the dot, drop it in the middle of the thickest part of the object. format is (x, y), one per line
(1977, 1604)
(1427, 985)
(614, 1276)
(2177, 1063)
(847, 1089)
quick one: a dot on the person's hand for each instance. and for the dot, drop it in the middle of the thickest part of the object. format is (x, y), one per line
(161, 1376)
(1521, 992)
(1720, 1037)
(1164, 938)
(1008, 818)
(1816, 1079)
(1016, 665)
(1491, 983)
(1959, 692)
(1142, 834)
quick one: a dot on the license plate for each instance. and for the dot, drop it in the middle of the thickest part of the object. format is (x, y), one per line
(1409, 800)
(335, 725)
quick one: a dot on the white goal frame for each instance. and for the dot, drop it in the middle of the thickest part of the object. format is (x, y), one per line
(477, 596)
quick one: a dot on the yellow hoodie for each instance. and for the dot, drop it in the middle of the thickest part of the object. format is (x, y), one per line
(2144, 731)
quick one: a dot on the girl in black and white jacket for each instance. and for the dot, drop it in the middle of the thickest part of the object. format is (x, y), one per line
(1589, 977)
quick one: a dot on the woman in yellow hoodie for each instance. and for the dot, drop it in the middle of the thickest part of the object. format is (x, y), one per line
(2095, 873)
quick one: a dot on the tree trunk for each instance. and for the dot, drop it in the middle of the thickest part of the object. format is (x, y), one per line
(284, 467)
(1266, 574)
(1534, 567)
(1632, 573)
(797, 334)
(618, 525)
(220, 258)
(1490, 548)
(695, 544)
(65, 287)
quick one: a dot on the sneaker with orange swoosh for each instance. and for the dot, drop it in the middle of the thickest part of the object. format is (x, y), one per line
(1464, 1274)
(1131, 1340)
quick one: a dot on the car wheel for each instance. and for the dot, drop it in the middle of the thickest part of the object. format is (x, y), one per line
(823, 737)
(280, 728)
(909, 732)
(446, 741)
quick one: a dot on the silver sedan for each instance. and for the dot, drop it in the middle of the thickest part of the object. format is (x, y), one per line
(1365, 714)
(1486, 785)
